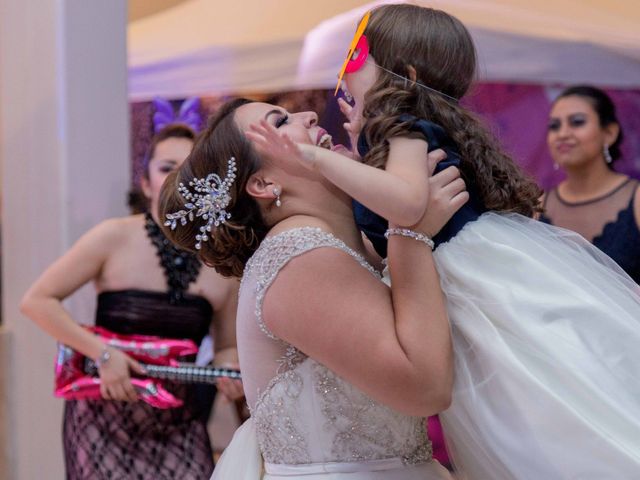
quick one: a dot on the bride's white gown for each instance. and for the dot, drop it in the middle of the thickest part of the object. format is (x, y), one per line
(546, 332)
(306, 421)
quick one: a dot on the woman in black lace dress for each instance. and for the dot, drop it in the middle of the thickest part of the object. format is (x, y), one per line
(594, 200)
(145, 286)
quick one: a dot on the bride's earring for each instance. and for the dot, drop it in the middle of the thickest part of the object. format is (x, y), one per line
(556, 166)
(277, 192)
(607, 154)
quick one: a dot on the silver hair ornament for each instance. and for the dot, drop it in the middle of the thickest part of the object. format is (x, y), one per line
(209, 201)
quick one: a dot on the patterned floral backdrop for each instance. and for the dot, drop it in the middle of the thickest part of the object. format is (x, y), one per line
(516, 113)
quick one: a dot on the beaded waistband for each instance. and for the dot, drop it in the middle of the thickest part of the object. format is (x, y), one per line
(333, 467)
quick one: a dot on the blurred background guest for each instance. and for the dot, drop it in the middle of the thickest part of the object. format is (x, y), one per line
(145, 286)
(584, 138)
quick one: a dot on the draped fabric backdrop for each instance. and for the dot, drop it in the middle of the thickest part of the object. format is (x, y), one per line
(516, 113)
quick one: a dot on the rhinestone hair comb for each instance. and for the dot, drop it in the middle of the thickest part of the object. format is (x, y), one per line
(207, 198)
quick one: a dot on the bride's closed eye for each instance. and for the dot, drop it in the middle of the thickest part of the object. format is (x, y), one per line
(282, 120)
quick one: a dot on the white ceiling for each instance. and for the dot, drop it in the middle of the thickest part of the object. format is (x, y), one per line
(207, 46)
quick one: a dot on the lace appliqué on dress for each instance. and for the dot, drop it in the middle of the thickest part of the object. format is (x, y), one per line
(275, 252)
(280, 436)
(361, 426)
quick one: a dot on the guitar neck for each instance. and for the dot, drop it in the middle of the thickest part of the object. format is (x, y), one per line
(182, 373)
(190, 373)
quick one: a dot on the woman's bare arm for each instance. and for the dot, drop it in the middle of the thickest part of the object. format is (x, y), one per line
(397, 193)
(43, 304)
(383, 342)
(81, 264)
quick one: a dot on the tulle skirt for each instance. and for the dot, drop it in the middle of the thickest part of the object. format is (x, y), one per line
(546, 334)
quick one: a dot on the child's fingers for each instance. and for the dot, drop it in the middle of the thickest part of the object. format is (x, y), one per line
(348, 126)
(455, 187)
(264, 129)
(433, 158)
(290, 144)
(459, 200)
(270, 132)
(345, 108)
(258, 128)
(286, 140)
(268, 127)
(444, 177)
(255, 137)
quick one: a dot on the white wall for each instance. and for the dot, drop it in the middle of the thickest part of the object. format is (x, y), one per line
(65, 166)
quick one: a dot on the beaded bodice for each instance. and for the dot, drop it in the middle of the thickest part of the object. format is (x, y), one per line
(303, 412)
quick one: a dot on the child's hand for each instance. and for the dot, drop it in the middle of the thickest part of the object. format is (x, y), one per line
(353, 124)
(447, 194)
(279, 146)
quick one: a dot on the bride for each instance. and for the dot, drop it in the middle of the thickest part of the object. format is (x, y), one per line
(339, 370)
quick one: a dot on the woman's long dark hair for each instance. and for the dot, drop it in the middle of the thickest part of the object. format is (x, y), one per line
(440, 49)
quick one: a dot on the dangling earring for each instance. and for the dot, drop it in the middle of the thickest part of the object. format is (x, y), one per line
(556, 166)
(607, 154)
(277, 192)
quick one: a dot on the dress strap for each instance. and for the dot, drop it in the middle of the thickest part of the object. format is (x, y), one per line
(275, 252)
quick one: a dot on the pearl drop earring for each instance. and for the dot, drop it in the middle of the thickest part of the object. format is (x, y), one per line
(277, 192)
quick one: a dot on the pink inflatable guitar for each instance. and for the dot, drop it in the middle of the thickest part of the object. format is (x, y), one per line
(76, 376)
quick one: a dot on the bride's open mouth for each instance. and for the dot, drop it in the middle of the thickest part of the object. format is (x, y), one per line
(324, 140)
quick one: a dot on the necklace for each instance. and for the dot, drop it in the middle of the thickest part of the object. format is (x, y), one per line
(180, 268)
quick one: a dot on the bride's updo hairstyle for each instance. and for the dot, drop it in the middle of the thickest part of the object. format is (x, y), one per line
(232, 243)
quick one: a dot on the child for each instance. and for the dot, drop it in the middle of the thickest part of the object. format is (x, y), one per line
(545, 326)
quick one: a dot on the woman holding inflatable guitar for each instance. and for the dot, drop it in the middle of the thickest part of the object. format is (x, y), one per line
(145, 288)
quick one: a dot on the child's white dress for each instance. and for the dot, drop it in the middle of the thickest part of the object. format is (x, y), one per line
(546, 332)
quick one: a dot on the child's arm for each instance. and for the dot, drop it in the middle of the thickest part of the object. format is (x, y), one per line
(398, 193)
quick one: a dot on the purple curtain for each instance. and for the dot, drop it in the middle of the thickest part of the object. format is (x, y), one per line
(516, 113)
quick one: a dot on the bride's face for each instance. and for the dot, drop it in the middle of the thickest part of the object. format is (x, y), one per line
(301, 127)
